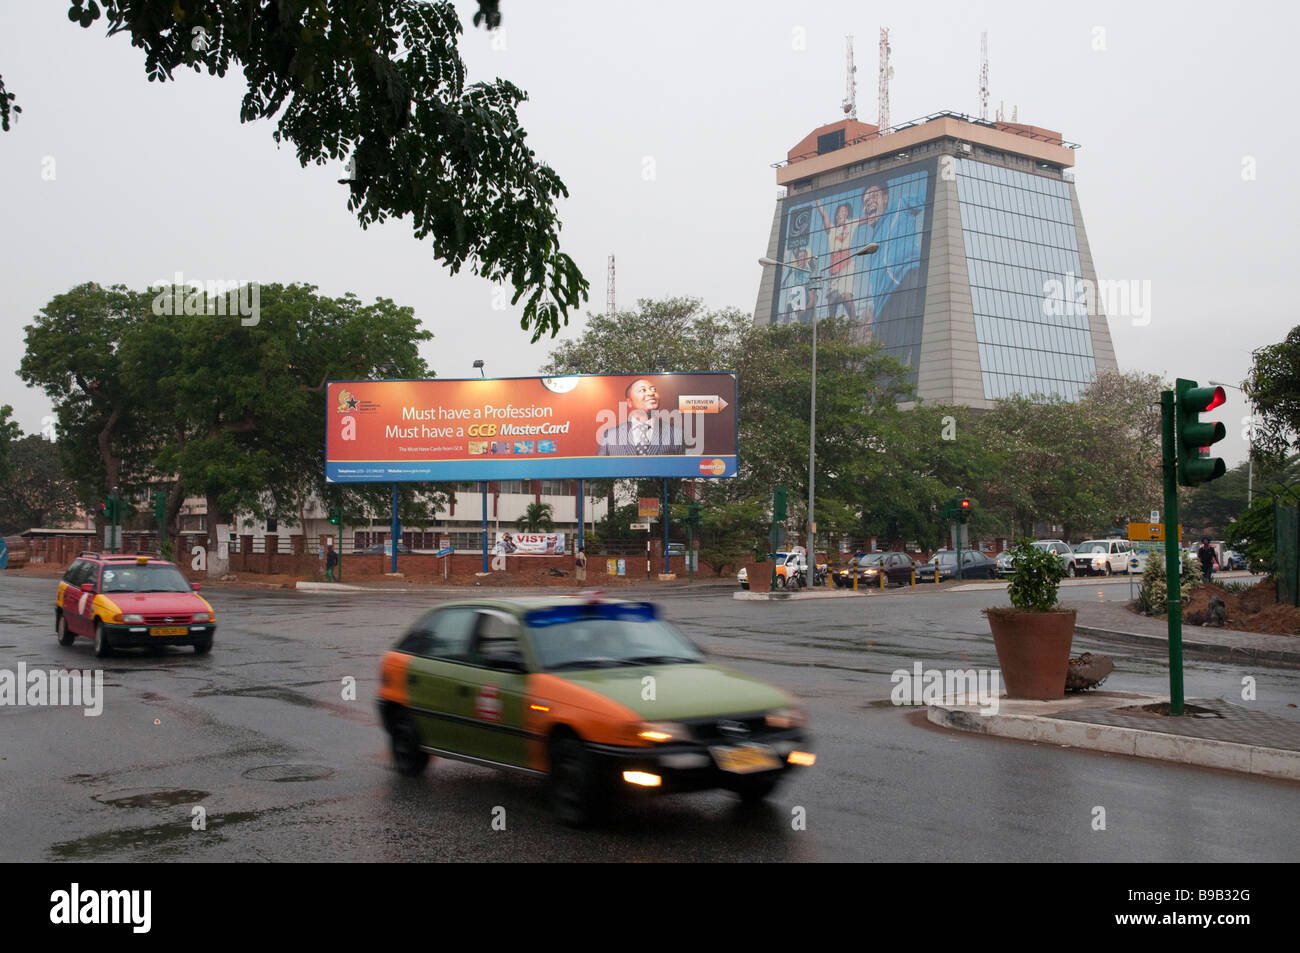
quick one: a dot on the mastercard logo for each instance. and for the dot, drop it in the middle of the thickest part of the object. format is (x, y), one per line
(713, 467)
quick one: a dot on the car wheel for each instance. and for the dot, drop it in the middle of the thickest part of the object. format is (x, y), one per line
(66, 636)
(204, 647)
(780, 582)
(1069, 570)
(407, 755)
(1105, 569)
(575, 789)
(103, 648)
(756, 788)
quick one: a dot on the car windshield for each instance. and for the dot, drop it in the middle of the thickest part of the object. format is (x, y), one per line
(606, 635)
(1092, 547)
(871, 559)
(946, 557)
(146, 578)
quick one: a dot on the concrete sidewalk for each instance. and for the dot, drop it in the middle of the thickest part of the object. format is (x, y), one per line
(1113, 621)
(1220, 735)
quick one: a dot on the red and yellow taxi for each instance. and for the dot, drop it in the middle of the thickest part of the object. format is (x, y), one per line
(131, 600)
(602, 696)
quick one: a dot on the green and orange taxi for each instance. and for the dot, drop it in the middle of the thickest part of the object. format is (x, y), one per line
(131, 600)
(602, 696)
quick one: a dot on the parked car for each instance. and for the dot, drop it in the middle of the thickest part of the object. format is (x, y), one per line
(1058, 546)
(1234, 560)
(975, 565)
(897, 568)
(1102, 556)
(742, 577)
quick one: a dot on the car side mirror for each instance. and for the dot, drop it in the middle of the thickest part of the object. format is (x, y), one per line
(87, 587)
(196, 586)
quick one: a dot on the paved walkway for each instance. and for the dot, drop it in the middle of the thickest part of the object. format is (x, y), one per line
(1111, 620)
(1229, 736)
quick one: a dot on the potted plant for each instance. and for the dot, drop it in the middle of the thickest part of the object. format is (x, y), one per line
(1032, 635)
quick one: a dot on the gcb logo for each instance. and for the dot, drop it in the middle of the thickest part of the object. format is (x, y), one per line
(482, 430)
(713, 467)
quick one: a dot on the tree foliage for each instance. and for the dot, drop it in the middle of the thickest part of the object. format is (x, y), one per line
(36, 491)
(380, 83)
(1274, 390)
(209, 406)
(536, 519)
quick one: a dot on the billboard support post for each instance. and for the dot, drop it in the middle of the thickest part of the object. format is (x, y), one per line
(396, 527)
(581, 518)
(667, 569)
(485, 529)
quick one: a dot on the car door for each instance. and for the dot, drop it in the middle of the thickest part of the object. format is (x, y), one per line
(83, 603)
(440, 644)
(490, 691)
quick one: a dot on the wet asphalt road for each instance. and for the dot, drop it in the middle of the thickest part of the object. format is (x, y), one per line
(260, 737)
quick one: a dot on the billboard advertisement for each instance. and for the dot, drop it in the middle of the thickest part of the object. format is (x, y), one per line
(583, 426)
(882, 294)
(528, 544)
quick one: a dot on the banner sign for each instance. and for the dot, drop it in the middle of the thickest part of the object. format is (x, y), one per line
(529, 544)
(586, 426)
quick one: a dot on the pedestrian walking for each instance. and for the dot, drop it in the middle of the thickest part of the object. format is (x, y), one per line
(1207, 556)
(331, 560)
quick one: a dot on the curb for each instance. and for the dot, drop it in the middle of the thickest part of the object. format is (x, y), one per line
(1217, 650)
(1161, 746)
(786, 594)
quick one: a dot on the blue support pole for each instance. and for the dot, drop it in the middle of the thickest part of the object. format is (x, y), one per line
(485, 545)
(666, 569)
(396, 527)
(580, 519)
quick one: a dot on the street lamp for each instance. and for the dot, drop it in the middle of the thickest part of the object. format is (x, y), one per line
(815, 274)
(1250, 450)
(479, 365)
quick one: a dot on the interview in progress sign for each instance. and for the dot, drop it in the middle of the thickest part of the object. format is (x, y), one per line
(583, 426)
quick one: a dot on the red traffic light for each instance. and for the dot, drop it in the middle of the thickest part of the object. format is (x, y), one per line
(965, 504)
(1217, 399)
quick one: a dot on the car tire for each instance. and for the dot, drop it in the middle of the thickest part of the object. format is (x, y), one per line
(1069, 570)
(780, 582)
(204, 647)
(66, 635)
(575, 788)
(1105, 569)
(408, 758)
(103, 648)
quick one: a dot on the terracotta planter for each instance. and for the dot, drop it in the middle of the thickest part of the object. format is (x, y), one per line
(1033, 650)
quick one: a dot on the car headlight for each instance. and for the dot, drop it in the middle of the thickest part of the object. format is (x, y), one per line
(786, 718)
(202, 617)
(662, 731)
(133, 617)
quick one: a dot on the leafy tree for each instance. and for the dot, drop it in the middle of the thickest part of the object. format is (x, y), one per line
(1253, 533)
(1274, 390)
(1211, 507)
(536, 519)
(381, 83)
(37, 492)
(9, 433)
(729, 532)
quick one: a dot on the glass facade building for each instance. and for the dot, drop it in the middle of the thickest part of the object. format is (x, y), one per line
(1022, 255)
(984, 260)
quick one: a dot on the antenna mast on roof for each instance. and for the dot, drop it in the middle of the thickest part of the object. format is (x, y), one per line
(886, 74)
(609, 288)
(850, 104)
(984, 75)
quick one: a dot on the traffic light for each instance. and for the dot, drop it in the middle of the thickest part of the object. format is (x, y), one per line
(160, 507)
(778, 504)
(963, 510)
(693, 514)
(1191, 435)
(336, 514)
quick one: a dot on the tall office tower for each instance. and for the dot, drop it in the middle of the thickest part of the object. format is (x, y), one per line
(983, 283)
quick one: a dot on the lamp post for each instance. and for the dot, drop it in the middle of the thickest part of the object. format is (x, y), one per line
(483, 486)
(815, 276)
(1250, 451)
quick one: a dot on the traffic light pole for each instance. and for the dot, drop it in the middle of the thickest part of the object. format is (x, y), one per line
(1173, 582)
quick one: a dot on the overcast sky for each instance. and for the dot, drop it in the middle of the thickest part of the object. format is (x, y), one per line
(1184, 113)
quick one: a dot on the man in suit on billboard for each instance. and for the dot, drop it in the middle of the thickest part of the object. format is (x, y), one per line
(646, 432)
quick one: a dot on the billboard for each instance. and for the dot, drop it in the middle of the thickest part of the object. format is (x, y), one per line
(882, 294)
(583, 426)
(528, 544)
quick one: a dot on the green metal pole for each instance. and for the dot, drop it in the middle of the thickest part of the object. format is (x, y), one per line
(771, 548)
(1173, 582)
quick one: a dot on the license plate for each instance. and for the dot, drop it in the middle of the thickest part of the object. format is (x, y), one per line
(169, 630)
(745, 759)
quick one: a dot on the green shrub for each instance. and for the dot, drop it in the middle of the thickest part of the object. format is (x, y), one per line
(1153, 596)
(1036, 576)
